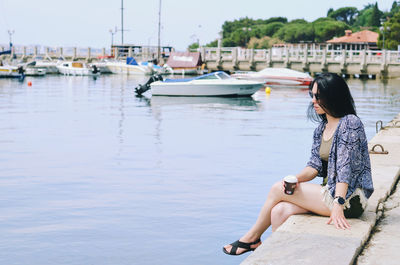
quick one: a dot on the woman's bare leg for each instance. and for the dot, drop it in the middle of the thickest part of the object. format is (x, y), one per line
(282, 211)
(306, 195)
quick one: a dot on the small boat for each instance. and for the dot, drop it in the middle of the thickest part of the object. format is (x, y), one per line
(9, 71)
(49, 65)
(34, 71)
(102, 66)
(278, 77)
(130, 67)
(213, 84)
(77, 68)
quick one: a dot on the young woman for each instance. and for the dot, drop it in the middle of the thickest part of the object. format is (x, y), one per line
(339, 154)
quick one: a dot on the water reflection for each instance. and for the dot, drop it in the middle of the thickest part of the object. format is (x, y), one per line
(246, 103)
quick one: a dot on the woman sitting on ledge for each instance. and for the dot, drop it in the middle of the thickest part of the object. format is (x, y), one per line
(339, 154)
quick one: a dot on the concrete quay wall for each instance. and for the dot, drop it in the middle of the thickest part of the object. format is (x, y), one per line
(307, 239)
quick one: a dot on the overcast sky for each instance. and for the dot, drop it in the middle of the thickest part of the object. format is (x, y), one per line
(86, 23)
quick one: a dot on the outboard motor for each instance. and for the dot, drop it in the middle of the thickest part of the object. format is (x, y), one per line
(21, 70)
(95, 70)
(140, 89)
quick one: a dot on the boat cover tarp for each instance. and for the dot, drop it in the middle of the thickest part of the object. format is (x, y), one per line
(131, 61)
(5, 52)
(184, 60)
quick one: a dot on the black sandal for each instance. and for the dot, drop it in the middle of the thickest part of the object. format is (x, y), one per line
(239, 244)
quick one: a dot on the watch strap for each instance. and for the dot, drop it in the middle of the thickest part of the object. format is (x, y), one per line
(339, 200)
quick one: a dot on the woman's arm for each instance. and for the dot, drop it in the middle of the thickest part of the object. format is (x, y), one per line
(307, 174)
(337, 215)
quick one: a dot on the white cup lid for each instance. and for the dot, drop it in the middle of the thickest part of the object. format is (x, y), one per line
(290, 179)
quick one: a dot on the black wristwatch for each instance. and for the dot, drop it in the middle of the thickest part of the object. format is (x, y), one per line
(339, 200)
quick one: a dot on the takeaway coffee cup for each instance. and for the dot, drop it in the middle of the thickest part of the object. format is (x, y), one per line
(290, 183)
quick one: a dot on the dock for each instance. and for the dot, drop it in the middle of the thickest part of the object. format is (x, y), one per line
(307, 239)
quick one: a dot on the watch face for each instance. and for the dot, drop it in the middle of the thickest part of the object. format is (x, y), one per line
(341, 200)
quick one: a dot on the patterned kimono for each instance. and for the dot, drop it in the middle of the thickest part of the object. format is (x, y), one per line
(348, 158)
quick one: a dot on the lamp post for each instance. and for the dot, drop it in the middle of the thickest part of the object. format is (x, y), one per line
(112, 35)
(220, 36)
(198, 38)
(159, 33)
(246, 30)
(122, 22)
(383, 29)
(10, 33)
(195, 39)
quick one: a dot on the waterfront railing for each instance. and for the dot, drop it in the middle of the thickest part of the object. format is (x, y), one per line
(365, 62)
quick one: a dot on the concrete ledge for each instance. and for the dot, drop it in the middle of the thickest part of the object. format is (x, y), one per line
(383, 247)
(307, 239)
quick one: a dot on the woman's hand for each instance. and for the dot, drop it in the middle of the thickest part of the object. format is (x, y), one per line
(283, 186)
(337, 216)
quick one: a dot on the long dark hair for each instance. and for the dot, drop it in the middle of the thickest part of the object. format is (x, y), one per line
(334, 97)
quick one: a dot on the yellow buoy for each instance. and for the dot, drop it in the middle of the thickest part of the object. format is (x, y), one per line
(268, 90)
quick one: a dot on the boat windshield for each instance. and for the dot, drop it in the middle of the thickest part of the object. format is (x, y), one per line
(214, 76)
(223, 75)
(207, 77)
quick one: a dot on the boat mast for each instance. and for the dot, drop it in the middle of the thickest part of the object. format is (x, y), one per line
(122, 22)
(159, 29)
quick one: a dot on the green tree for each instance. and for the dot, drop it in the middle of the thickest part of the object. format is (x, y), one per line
(263, 43)
(363, 18)
(239, 32)
(276, 19)
(214, 43)
(296, 32)
(328, 28)
(269, 29)
(298, 21)
(395, 9)
(392, 33)
(374, 19)
(345, 14)
(193, 46)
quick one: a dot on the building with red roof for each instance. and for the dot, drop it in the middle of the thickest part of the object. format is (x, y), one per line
(361, 40)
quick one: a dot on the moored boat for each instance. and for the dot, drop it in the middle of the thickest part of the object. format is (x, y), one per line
(77, 68)
(9, 71)
(34, 71)
(49, 65)
(213, 84)
(130, 67)
(277, 77)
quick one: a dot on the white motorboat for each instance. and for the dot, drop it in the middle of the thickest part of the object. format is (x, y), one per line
(102, 66)
(277, 77)
(34, 71)
(12, 71)
(77, 68)
(130, 67)
(213, 84)
(49, 65)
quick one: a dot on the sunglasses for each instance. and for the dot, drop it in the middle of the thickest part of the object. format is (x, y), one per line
(313, 95)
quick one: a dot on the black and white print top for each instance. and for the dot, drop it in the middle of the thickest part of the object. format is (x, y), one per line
(349, 160)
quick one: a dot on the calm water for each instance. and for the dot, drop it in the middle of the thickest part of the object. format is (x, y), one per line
(90, 174)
